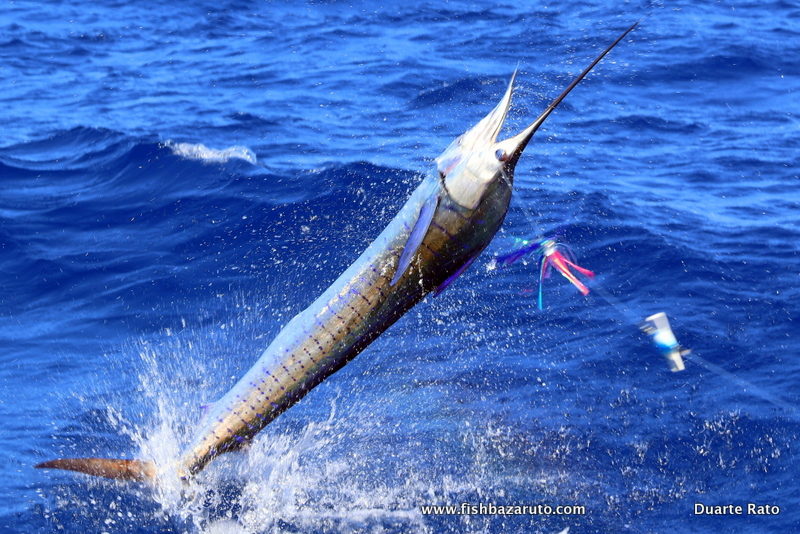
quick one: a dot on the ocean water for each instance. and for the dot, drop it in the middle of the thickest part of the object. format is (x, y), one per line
(177, 181)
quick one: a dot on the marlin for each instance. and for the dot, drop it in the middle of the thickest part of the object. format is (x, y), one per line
(447, 222)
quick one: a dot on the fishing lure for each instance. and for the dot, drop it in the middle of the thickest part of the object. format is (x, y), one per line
(657, 326)
(549, 251)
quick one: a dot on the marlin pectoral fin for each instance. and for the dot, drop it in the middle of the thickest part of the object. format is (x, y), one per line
(139, 470)
(416, 236)
(443, 285)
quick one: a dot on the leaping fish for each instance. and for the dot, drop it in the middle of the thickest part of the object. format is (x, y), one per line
(447, 222)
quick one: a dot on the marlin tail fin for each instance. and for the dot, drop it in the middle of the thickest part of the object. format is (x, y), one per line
(138, 470)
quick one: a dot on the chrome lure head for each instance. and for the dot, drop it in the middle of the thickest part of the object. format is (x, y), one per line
(476, 159)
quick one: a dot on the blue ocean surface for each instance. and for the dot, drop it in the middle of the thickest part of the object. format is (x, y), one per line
(178, 180)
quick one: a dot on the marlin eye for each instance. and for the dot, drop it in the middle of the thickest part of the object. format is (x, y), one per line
(501, 155)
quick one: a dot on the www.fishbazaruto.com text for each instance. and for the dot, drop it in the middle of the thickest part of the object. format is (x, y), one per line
(493, 509)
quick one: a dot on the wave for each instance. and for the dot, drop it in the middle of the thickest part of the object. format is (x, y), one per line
(123, 222)
(201, 152)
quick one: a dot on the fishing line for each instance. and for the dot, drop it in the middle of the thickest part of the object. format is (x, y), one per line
(657, 326)
(702, 362)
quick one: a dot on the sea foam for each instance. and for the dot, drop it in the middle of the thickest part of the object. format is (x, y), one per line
(212, 155)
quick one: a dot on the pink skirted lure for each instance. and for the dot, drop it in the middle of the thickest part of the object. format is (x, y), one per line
(549, 251)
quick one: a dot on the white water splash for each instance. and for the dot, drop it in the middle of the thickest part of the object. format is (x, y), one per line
(344, 460)
(212, 155)
(296, 479)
